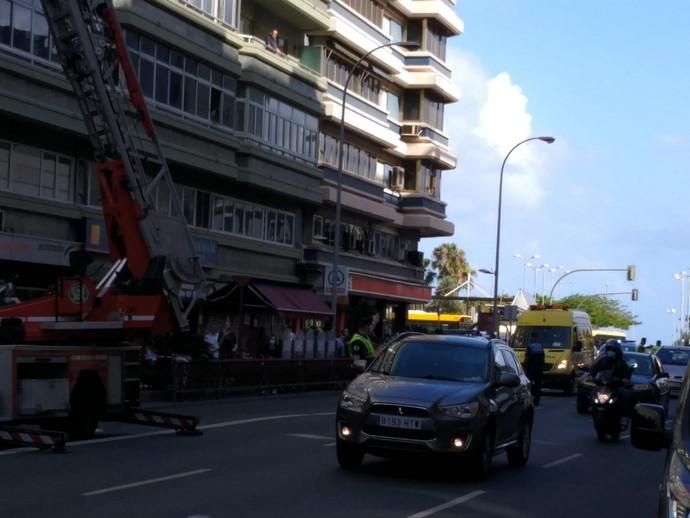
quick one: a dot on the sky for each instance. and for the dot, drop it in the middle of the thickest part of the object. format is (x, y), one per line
(610, 81)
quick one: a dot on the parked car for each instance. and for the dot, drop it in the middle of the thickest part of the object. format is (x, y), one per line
(648, 432)
(628, 346)
(648, 383)
(465, 397)
(675, 362)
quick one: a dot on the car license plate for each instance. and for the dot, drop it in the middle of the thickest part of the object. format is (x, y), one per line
(640, 387)
(408, 423)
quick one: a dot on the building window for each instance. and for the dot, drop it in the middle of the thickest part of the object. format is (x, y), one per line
(279, 126)
(24, 29)
(370, 9)
(395, 30)
(33, 172)
(179, 83)
(224, 11)
(411, 105)
(433, 112)
(355, 160)
(431, 179)
(362, 83)
(393, 105)
(436, 38)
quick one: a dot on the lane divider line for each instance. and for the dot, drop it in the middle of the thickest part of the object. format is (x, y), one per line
(310, 436)
(562, 461)
(447, 505)
(147, 482)
(224, 424)
(329, 444)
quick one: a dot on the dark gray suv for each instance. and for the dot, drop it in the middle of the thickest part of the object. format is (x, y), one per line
(464, 397)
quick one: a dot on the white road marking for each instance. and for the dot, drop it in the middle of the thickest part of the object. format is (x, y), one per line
(224, 424)
(549, 443)
(310, 436)
(447, 505)
(625, 436)
(329, 444)
(562, 461)
(146, 482)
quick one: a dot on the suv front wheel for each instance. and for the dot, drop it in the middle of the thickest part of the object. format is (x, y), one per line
(349, 455)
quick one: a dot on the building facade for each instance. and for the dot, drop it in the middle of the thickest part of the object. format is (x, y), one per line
(251, 137)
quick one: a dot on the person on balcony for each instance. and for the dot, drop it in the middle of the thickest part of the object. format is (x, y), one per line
(273, 42)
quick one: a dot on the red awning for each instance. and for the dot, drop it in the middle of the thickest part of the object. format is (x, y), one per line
(293, 300)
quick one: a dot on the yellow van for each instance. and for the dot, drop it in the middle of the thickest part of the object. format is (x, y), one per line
(565, 334)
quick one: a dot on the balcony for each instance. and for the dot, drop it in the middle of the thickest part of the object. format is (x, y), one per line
(441, 10)
(421, 141)
(433, 75)
(361, 116)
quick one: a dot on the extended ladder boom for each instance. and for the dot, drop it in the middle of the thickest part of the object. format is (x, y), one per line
(155, 246)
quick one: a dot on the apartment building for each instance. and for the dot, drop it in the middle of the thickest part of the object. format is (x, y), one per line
(251, 137)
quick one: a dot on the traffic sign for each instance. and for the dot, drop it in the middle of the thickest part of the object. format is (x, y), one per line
(341, 281)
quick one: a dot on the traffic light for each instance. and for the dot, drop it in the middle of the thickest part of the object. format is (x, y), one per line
(631, 272)
(634, 294)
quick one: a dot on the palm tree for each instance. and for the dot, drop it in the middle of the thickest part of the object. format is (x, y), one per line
(452, 269)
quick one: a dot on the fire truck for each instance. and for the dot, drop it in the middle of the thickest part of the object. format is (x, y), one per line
(71, 358)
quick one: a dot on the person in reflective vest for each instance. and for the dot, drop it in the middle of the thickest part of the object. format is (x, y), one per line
(360, 345)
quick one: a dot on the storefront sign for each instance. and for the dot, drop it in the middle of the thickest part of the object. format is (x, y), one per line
(341, 281)
(368, 285)
(18, 247)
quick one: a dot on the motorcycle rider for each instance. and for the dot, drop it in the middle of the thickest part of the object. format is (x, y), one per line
(611, 361)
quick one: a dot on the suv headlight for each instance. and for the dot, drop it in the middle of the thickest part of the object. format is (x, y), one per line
(349, 401)
(678, 488)
(562, 365)
(464, 411)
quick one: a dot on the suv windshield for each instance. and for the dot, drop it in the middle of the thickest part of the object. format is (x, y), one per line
(549, 337)
(673, 356)
(429, 360)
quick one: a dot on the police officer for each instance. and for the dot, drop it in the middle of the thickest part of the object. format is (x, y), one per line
(360, 345)
(534, 365)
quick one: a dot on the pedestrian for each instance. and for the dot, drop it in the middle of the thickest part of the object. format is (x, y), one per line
(534, 365)
(360, 345)
(643, 344)
(273, 42)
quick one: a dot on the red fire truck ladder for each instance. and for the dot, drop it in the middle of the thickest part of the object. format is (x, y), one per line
(151, 246)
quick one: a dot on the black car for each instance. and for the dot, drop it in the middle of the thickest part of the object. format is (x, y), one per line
(648, 383)
(460, 396)
(648, 432)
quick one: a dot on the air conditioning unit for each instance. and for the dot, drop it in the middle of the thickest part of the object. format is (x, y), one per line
(397, 179)
(411, 130)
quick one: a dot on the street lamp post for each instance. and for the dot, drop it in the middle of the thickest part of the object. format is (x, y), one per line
(548, 140)
(672, 312)
(682, 277)
(525, 264)
(409, 45)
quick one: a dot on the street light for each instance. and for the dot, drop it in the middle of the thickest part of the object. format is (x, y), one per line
(409, 45)
(672, 312)
(682, 277)
(525, 264)
(548, 140)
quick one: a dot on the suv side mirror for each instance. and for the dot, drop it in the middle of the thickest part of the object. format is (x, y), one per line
(648, 430)
(508, 379)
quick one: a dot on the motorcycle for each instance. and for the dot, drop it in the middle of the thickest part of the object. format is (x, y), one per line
(608, 412)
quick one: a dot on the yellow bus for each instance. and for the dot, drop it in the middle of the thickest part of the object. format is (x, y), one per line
(432, 322)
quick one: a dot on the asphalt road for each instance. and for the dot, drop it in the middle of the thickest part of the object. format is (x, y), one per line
(275, 456)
